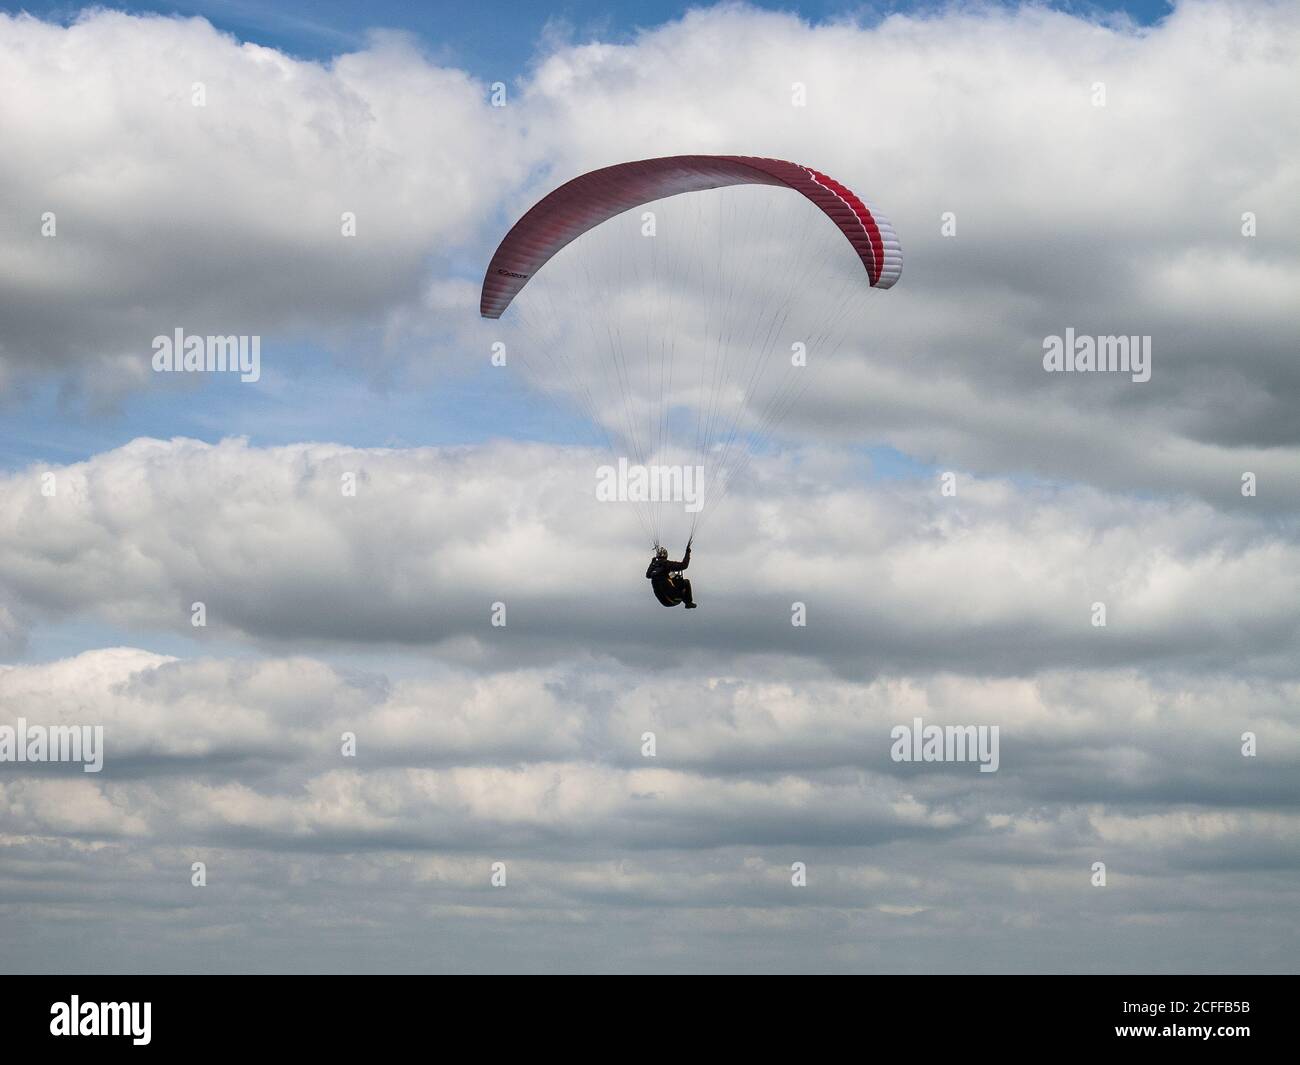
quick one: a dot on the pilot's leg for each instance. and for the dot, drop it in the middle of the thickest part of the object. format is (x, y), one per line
(684, 589)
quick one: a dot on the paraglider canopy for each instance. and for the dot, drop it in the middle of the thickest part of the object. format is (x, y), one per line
(586, 201)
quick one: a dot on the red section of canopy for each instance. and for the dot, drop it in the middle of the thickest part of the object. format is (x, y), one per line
(586, 201)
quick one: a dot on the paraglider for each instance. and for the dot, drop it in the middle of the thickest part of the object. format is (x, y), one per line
(666, 579)
(658, 295)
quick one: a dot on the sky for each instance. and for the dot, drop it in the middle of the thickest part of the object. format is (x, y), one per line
(356, 750)
(496, 41)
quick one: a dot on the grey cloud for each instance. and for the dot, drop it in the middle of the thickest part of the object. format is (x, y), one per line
(617, 866)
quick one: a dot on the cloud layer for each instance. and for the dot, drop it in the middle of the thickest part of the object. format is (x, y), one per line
(1117, 219)
(894, 575)
(238, 765)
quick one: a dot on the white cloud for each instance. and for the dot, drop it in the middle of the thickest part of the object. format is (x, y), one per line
(894, 575)
(1115, 219)
(223, 218)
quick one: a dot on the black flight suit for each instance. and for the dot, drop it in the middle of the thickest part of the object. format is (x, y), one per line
(665, 578)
